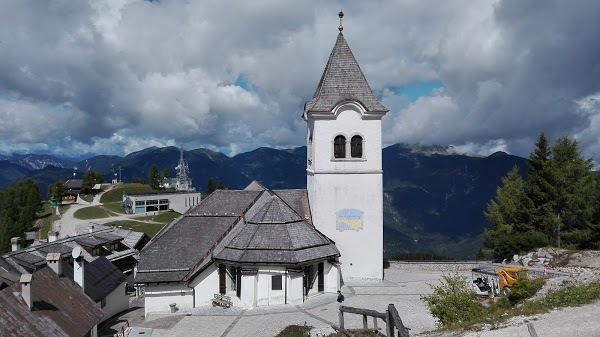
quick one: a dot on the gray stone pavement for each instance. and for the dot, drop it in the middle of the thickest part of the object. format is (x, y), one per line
(403, 287)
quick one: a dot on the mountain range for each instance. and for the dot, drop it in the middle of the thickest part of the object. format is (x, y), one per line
(433, 199)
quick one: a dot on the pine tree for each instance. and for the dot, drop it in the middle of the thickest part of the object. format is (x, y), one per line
(154, 177)
(210, 186)
(540, 187)
(510, 216)
(575, 193)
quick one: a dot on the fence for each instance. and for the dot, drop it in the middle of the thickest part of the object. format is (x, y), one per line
(390, 317)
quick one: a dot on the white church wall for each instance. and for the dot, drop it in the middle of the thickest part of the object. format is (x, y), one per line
(157, 298)
(332, 278)
(206, 285)
(249, 291)
(116, 302)
(265, 294)
(295, 288)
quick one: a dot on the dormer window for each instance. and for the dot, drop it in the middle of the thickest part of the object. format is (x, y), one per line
(356, 147)
(339, 147)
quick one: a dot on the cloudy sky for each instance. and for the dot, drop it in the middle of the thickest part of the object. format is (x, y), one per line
(92, 77)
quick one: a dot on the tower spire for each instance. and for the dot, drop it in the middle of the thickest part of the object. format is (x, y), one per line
(341, 15)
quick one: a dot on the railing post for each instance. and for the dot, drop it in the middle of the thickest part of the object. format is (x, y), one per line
(341, 317)
(365, 325)
(375, 323)
(389, 323)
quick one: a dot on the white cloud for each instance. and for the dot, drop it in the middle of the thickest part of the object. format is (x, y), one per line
(139, 73)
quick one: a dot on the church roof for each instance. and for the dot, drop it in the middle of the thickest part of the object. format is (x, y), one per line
(276, 234)
(254, 225)
(342, 80)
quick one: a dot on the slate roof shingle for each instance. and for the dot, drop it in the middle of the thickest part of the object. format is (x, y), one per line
(60, 308)
(342, 80)
(101, 277)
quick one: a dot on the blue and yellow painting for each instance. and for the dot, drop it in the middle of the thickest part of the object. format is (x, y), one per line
(349, 220)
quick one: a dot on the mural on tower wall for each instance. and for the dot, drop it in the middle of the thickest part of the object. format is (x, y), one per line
(349, 219)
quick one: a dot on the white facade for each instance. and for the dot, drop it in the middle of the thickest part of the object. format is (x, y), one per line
(116, 302)
(257, 288)
(346, 194)
(149, 203)
(157, 298)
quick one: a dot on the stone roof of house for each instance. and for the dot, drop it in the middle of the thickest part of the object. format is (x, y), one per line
(342, 80)
(60, 308)
(31, 258)
(253, 225)
(100, 277)
(276, 234)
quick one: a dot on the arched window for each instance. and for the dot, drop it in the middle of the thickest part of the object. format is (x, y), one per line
(356, 147)
(339, 147)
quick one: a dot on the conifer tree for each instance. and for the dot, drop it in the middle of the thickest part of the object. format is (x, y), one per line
(575, 193)
(540, 188)
(511, 219)
(154, 177)
(210, 186)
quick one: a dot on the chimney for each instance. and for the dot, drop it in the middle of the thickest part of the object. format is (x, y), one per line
(16, 243)
(52, 236)
(54, 262)
(26, 289)
(91, 229)
(78, 271)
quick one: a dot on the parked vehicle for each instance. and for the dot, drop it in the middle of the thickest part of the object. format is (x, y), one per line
(490, 281)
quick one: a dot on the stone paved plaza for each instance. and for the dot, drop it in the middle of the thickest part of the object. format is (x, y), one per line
(402, 287)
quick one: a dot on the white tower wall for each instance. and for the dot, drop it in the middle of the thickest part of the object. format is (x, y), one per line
(340, 188)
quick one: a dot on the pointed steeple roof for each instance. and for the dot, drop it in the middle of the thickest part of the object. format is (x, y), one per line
(342, 80)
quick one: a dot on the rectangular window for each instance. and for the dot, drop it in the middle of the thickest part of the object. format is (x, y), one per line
(163, 207)
(276, 282)
(140, 203)
(151, 202)
(163, 201)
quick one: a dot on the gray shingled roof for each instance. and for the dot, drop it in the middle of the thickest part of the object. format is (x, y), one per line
(225, 202)
(60, 308)
(342, 80)
(298, 201)
(275, 211)
(101, 277)
(185, 243)
(275, 235)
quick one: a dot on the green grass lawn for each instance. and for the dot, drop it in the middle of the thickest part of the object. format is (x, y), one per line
(116, 194)
(46, 217)
(87, 197)
(148, 228)
(114, 207)
(93, 212)
(164, 217)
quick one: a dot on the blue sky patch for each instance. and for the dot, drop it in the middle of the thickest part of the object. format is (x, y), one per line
(417, 89)
(242, 82)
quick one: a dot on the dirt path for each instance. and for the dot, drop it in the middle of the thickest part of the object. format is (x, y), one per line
(68, 225)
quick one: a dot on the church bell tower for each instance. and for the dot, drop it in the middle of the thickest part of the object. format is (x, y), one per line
(344, 174)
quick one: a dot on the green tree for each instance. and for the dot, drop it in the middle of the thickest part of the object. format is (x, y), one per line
(19, 206)
(510, 215)
(453, 301)
(540, 187)
(56, 191)
(575, 193)
(165, 173)
(90, 178)
(154, 177)
(210, 186)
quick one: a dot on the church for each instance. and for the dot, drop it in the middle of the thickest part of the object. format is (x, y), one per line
(261, 247)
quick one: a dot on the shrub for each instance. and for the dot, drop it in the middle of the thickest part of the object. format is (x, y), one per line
(524, 288)
(453, 301)
(295, 331)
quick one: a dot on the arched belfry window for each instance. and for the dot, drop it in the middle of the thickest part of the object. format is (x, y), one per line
(356, 147)
(339, 147)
